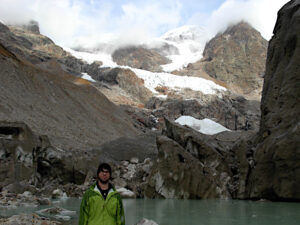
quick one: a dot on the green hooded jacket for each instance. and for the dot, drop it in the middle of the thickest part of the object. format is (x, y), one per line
(94, 210)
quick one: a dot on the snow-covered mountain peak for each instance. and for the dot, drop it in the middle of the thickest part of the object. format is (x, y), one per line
(184, 33)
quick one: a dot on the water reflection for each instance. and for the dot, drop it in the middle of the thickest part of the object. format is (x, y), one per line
(192, 212)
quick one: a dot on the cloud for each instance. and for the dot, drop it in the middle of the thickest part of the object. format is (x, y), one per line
(78, 22)
(261, 14)
(69, 22)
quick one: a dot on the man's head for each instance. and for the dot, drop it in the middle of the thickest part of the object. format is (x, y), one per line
(104, 173)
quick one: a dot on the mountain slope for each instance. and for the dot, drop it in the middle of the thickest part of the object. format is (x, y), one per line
(68, 109)
(235, 58)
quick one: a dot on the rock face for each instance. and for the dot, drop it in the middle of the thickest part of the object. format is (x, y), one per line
(29, 159)
(16, 153)
(277, 171)
(233, 112)
(194, 165)
(140, 58)
(126, 80)
(32, 46)
(32, 26)
(166, 49)
(235, 57)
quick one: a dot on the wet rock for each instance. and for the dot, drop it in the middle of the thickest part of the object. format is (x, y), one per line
(146, 222)
(57, 213)
(125, 193)
(27, 219)
(120, 182)
(73, 190)
(134, 160)
(131, 170)
(44, 201)
(58, 193)
(12, 200)
(27, 194)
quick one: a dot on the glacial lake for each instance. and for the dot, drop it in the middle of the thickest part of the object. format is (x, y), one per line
(191, 212)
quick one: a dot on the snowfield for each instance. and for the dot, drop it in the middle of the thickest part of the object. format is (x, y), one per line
(105, 58)
(153, 80)
(189, 40)
(205, 126)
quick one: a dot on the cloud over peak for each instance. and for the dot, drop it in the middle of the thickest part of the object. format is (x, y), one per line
(75, 22)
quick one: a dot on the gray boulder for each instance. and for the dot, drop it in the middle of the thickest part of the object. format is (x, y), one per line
(146, 222)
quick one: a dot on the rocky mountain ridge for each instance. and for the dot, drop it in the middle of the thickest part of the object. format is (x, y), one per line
(235, 57)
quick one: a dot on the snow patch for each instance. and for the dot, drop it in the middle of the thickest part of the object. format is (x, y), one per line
(180, 34)
(104, 57)
(189, 52)
(205, 126)
(190, 41)
(87, 77)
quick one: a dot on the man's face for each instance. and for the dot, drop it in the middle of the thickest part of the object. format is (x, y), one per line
(104, 176)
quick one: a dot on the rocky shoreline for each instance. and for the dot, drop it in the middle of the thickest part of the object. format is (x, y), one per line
(50, 214)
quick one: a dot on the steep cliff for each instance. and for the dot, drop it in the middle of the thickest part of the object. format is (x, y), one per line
(277, 171)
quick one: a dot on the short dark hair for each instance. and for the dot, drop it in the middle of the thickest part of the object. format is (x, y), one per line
(103, 166)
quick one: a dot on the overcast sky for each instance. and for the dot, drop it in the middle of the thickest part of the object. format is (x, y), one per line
(68, 22)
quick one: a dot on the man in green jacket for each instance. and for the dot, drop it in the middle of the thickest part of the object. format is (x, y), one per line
(101, 203)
